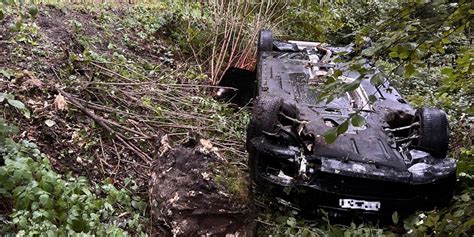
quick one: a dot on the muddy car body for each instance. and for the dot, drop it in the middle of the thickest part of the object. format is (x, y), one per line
(395, 162)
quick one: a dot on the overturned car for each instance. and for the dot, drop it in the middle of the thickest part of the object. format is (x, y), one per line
(395, 162)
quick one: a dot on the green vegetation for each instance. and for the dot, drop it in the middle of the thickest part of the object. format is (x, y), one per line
(45, 202)
(145, 71)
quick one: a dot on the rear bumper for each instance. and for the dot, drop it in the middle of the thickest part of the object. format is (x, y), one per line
(325, 190)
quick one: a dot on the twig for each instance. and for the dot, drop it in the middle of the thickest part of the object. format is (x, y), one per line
(103, 123)
(119, 159)
(103, 155)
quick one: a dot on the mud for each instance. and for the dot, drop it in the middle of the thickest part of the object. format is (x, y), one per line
(185, 196)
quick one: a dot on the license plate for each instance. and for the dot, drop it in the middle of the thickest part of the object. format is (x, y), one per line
(359, 204)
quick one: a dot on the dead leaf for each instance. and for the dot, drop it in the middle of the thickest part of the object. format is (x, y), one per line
(60, 102)
(208, 148)
(206, 144)
(32, 81)
(165, 145)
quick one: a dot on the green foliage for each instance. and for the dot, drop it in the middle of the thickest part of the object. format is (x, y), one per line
(10, 99)
(46, 202)
(331, 22)
(455, 220)
(420, 36)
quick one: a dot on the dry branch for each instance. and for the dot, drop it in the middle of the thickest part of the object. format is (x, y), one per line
(103, 122)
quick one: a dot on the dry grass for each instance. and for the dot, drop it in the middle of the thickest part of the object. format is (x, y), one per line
(232, 36)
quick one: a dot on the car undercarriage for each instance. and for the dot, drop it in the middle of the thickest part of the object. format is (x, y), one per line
(396, 161)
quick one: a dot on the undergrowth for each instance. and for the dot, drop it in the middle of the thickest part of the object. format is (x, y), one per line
(144, 72)
(45, 202)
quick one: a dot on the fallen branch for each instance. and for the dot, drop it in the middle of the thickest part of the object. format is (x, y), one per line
(102, 122)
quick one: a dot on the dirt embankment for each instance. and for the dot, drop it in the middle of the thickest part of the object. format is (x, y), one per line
(101, 92)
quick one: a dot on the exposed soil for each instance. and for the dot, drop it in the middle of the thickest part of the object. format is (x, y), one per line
(185, 196)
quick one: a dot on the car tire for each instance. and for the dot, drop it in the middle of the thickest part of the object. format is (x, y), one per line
(433, 131)
(264, 116)
(265, 41)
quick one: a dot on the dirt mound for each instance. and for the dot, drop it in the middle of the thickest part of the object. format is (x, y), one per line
(185, 195)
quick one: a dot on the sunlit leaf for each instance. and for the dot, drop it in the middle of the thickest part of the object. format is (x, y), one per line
(44, 199)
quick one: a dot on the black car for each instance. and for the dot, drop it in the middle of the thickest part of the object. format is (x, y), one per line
(395, 162)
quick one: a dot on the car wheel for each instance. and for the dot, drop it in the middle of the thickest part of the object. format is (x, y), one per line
(265, 41)
(264, 116)
(433, 131)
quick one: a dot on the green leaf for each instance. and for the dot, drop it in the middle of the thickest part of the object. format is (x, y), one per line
(447, 71)
(352, 86)
(16, 103)
(291, 222)
(395, 217)
(342, 128)
(393, 54)
(33, 11)
(458, 213)
(86, 191)
(377, 79)
(357, 120)
(5, 73)
(465, 197)
(2, 97)
(44, 199)
(445, 40)
(337, 73)
(409, 70)
(12, 27)
(372, 98)
(26, 113)
(330, 135)
(2, 15)
(404, 54)
(369, 52)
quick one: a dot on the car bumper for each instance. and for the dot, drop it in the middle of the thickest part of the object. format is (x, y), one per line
(326, 190)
